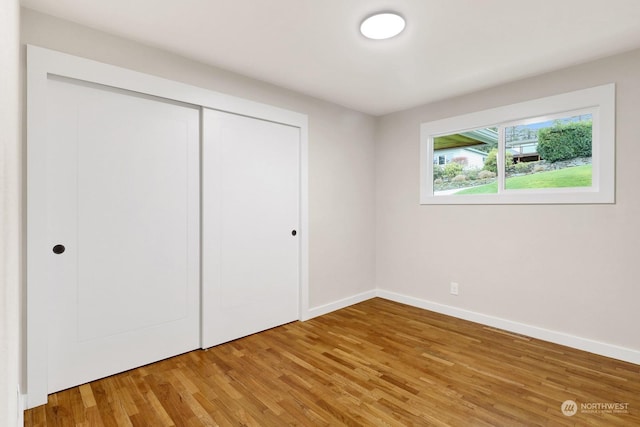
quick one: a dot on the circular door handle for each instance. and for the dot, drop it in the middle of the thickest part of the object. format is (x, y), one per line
(294, 232)
(58, 249)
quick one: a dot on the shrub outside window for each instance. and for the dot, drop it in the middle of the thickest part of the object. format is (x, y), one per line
(558, 149)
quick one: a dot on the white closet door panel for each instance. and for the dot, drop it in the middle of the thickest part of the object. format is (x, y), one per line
(251, 184)
(122, 196)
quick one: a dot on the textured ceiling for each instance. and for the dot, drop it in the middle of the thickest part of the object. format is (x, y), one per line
(449, 47)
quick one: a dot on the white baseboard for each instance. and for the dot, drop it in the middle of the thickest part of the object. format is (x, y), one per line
(592, 346)
(337, 305)
(596, 347)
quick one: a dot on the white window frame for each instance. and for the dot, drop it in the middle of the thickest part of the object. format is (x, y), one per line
(598, 101)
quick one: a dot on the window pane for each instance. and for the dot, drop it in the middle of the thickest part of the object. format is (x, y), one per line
(465, 162)
(549, 154)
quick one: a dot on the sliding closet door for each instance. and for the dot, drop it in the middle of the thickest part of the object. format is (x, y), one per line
(250, 259)
(121, 247)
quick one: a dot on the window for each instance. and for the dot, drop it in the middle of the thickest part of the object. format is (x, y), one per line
(439, 160)
(558, 149)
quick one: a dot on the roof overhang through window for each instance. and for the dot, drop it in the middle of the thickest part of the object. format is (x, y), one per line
(466, 139)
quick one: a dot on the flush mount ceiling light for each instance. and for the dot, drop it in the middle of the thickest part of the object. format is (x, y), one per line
(382, 26)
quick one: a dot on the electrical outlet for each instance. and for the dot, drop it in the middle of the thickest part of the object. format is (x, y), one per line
(454, 288)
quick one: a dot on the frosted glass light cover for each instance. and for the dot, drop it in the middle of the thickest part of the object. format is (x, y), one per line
(382, 26)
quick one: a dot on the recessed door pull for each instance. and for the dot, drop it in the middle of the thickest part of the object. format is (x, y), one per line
(58, 249)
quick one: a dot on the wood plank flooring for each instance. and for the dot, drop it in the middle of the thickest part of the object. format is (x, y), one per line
(377, 363)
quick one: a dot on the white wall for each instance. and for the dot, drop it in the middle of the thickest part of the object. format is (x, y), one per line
(10, 202)
(341, 149)
(573, 270)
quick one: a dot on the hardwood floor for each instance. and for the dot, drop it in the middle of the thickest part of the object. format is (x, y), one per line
(377, 363)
